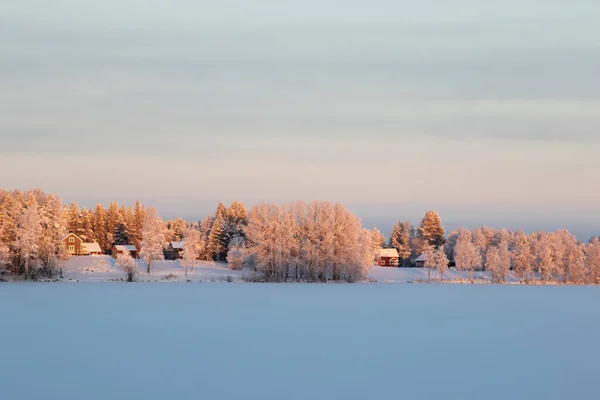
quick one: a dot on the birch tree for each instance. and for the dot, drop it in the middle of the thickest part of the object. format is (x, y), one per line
(153, 238)
(191, 248)
(127, 264)
(592, 260)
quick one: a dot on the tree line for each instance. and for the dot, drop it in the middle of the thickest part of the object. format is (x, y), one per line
(550, 257)
(316, 241)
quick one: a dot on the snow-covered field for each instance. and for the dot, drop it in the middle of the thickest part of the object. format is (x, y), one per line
(103, 269)
(298, 341)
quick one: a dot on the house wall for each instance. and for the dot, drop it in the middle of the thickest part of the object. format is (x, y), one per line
(76, 243)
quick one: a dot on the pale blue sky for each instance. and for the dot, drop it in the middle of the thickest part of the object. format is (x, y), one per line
(488, 112)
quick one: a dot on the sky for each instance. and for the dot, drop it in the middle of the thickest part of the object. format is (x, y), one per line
(488, 112)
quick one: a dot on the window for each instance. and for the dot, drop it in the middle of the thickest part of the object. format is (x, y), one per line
(71, 249)
(71, 239)
(382, 262)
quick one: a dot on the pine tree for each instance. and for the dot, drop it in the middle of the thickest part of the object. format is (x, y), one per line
(87, 225)
(100, 227)
(217, 234)
(431, 229)
(401, 238)
(111, 223)
(138, 223)
(74, 219)
(205, 228)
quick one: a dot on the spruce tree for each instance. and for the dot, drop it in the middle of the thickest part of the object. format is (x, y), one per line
(101, 227)
(431, 231)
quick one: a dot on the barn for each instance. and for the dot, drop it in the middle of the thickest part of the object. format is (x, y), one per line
(122, 248)
(388, 258)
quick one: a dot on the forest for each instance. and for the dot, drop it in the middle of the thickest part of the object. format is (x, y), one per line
(307, 242)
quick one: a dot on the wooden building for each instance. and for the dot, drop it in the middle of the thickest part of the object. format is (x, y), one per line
(175, 250)
(73, 244)
(420, 261)
(92, 249)
(388, 258)
(122, 248)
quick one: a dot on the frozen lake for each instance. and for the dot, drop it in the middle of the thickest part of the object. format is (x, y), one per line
(294, 341)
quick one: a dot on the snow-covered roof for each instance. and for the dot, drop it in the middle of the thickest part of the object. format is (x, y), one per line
(422, 257)
(177, 245)
(72, 234)
(388, 253)
(125, 247)
(93, 247)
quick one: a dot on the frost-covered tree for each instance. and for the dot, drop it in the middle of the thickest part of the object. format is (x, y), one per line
(494, 263)
(29, 234)
(577, 267)
(482, 239)
(543, 258)
(216, 237)
(236, 253)
(466, 255)
(205, 228)
(101, 227)
(503, 238)
(319, 241)
(191, 249)
(521, 257)
(87, 225)
(137, 224)
(74, 219)
(236, 218)
(431, 229)
(437, 259)
(127, 264)
(592, 260)
(401, 238)
(153, 238)
(4, 253)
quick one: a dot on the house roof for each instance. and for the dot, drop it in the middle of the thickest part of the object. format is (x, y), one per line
(125, 247)
(422, 257)
(93, 247)
(72, 234)
(177, 245)
(388, 253)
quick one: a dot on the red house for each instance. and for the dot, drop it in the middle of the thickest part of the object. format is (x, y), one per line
(388, 258)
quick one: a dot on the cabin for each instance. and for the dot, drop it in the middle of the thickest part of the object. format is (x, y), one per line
(420, 261)
(92, 249)
(175, 250)
(73, 244)
(388, 258)
(122, 248)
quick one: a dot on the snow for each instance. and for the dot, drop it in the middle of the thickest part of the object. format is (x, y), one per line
(104, 269)
(298, 341)
(93, 247)
(388, 253)
(409, 275)
(422, 257)
(125, 247)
